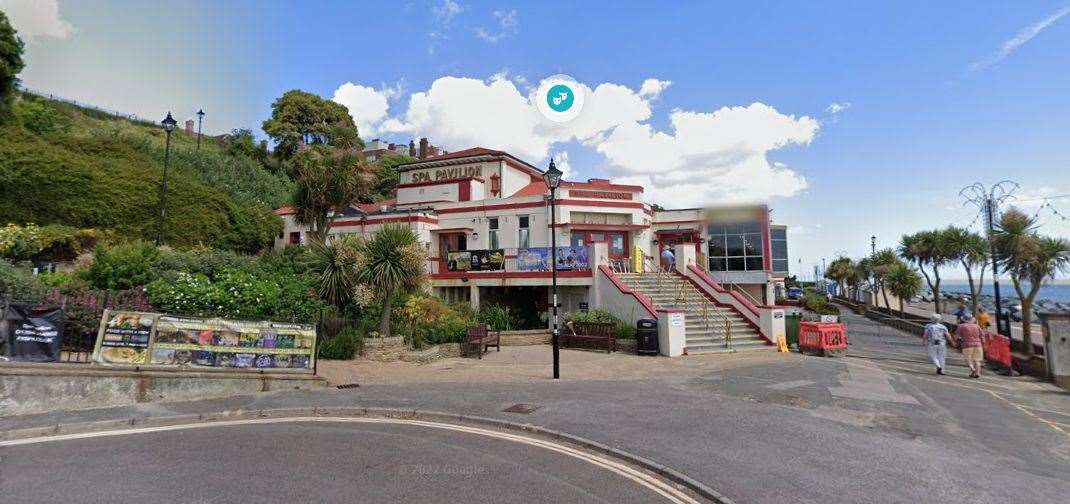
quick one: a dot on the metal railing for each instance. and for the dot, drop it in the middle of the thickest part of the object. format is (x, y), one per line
(733, 287)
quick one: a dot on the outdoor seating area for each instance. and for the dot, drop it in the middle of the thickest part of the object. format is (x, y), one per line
(591, 334)
(479, 338)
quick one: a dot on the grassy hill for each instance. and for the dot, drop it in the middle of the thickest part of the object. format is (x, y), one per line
(98, 171)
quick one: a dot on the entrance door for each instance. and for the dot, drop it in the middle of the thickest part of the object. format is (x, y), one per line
(617, 240)
(450, 242)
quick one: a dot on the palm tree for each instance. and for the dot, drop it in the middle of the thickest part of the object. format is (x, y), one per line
(1029, 258)
(881, 264)
(928, 249)
(392, 260)
(838, 271)
(328, 180)
(904, 282)
(335, 263)
(971, 250)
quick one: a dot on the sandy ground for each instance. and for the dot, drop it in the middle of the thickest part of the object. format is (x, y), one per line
(534, 364)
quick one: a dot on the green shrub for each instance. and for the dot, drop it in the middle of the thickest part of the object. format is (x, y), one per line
(40, 117)
(601, 316)
(18, 284)
(496, 316)
(239, 295)
(818, 304)
(343, 346)
(123, 266)
(208, 262)
(54, 242)
(428, 320)
(625, 331)
(63, 279)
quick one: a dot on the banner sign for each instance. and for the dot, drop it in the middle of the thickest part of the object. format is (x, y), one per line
(34, 334)
(124, 337)
(538, 259)
(476, 260)
(204, 342)
(488, 260)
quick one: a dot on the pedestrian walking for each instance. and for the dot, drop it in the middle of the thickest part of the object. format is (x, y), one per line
(936, 342)
(984, 319)
(961, 314)
(970, 338)
(668, 259)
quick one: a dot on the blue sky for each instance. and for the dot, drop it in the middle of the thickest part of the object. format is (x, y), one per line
(931, 95)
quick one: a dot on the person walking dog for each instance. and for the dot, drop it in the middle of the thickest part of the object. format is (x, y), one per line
(970, 338)
(936, 335)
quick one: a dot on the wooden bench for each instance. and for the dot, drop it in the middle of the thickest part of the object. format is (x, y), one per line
(591, 332)
(480, 338)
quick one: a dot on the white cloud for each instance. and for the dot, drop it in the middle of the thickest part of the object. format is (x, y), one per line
(561, 161)
(507, 24)
(447, 11)
(1020, 39)
(367, 106)
(36, 18)
(704, 157)
(651, 88)
(837, 107)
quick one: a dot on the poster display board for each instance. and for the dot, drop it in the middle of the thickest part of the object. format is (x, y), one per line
(34, 334)
(204, 342)
(538, 259)
(476, 260)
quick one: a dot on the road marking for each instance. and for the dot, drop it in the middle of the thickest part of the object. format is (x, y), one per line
(1049, 423)
(788, 385)
(662, 488)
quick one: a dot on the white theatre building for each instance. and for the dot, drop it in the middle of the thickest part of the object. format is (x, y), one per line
(484, 216)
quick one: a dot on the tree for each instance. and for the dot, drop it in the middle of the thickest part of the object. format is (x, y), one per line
(241, 142)
(328, 180)
(335, 265)
(392, 260)
(839, 270)
(928, 249)
(386, 177)
(904, 282)
(881, 265)
(971, 250)
(11, 64)
(1029, 258)
(299, 118)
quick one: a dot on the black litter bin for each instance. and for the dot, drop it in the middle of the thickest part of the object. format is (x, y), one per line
(646, 337)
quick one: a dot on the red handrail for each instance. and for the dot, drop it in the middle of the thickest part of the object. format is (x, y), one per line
(625, 290)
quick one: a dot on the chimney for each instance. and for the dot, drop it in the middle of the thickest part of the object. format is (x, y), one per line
(412, 148)
(390, 147)
(189, 127)
(423, 148)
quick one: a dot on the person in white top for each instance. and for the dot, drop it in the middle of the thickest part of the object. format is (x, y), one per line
(936, 341)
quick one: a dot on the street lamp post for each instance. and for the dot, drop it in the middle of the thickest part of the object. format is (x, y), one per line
(168, 126)
(552, 177)
(200, 118)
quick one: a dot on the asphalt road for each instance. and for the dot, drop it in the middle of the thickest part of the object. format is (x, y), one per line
(875, 427)
(307, 462)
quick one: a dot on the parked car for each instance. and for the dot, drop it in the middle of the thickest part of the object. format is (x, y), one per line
(795, 293)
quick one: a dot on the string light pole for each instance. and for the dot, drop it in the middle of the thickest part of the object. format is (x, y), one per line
(987, 200)
(200, 118)
(552, 177)
(168, 124)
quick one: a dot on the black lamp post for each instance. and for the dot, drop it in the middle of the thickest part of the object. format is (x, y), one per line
(168, 126)
(200, 117)
(553, 180)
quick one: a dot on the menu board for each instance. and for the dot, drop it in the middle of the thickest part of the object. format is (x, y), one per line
(209, 342)
(124, 337)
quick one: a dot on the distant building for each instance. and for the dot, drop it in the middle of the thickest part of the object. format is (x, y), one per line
(377, 148)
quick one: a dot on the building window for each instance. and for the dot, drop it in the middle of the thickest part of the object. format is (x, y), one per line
(778, 242)
(492, 234)
(295, 238)
(524, 234)
(735, 246)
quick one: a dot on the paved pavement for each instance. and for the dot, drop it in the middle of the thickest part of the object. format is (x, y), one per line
(875, 427)
(308, 462)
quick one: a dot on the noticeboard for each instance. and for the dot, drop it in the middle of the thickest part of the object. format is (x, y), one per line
(34, 334)
(204, 342)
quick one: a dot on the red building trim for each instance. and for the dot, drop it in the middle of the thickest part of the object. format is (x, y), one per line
(658, 223)
(453, 230)
(599, 227)
(639, 297)
(534, 204)
(456, 275)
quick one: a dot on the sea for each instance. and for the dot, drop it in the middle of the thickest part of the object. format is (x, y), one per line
(1055, 292)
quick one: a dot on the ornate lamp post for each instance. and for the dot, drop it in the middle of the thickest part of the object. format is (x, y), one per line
(168, 126)
(552, 177)
(200, 118)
